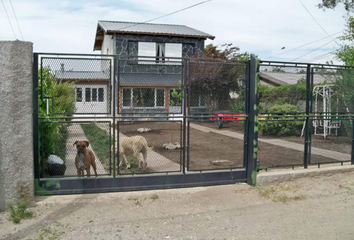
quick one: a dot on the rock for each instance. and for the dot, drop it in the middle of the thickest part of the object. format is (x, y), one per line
(171, 146)
(221, 162)
(144, 130)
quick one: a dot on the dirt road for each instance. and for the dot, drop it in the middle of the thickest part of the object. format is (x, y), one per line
(307, 208)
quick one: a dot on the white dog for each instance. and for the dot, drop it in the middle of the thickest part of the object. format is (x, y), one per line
(133, 146)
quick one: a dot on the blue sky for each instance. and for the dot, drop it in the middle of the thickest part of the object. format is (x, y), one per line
(256, 26)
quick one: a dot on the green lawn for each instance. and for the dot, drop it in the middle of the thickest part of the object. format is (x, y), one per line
(99, 141)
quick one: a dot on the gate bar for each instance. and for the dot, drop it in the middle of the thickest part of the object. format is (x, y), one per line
(252, 111)
(35, 116)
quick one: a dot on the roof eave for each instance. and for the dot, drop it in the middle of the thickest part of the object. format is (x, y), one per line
(161, 34)
(100, 32)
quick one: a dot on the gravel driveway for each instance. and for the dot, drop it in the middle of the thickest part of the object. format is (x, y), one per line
(307, 208)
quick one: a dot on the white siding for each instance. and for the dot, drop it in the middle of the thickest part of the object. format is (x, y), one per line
(107, 45)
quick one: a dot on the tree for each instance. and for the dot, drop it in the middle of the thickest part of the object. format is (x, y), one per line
(213, 77)
(331, 4)
(346, 51)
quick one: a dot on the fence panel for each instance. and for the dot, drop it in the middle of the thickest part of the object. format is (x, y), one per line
(162, 149)
(83, 81)
(216, 103)
(62, 142)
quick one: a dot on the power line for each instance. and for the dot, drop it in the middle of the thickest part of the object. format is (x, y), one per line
(18, 25)
(183, 9)
(324, 55)
(319, 57)
(8, 18)
(302, 45)
(312, 50)
(316, 20)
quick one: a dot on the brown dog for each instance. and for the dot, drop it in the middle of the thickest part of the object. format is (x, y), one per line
(84, 159)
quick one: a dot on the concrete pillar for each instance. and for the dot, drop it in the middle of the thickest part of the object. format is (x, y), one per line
(16, 133)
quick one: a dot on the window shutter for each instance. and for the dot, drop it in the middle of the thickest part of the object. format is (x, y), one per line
(146, 49)
(173, 50)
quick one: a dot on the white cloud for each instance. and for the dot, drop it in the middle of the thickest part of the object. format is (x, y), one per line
(259, 27)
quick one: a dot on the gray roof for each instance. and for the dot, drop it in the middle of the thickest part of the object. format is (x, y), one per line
(276, 79)
(136, 79)
(82, 75)
(152, 29)
(130, 79)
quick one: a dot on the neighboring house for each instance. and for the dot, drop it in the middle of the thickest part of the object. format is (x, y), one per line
(150, 66)
(275, 79)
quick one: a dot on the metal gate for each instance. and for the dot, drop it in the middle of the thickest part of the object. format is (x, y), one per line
(188, 122)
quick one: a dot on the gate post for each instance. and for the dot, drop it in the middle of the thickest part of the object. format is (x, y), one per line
(16, 138)
(252, 112)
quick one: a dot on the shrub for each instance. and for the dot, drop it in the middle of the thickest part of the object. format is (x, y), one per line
(283, 94)
(52, 135)
(284, 126)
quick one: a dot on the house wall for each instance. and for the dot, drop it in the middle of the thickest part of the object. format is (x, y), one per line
(127, 45)
(107, 45)
(16, 123)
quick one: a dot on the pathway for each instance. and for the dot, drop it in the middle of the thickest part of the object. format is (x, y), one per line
(278, 142)
(77, 134)
(155, 161)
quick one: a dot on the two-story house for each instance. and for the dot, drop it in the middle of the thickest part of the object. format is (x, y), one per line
(149, 66)
(151, 60)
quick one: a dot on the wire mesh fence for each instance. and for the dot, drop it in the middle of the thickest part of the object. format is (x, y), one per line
(335, 147)
(189, 114)
(75, 85)
(212, 148)
(149, 146)
(215, 87)
(150, 87)
(70, 149)
(301, 113)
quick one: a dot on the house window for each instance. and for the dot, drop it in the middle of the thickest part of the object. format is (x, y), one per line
(100, 94)
(159, 52)
(87, 94)
(197, 100)
(143, 97)
(94, 94)
(126, 97)
(173, 53)
(160, 97)
(78, 94)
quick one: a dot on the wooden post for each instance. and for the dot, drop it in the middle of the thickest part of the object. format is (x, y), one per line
(167, 102)
(120, 100)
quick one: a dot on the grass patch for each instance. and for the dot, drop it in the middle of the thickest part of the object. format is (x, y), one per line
(154, 197)
(281, 198)
(280, 193)
(99, 140)
(136, 200)
(19, 212)
(50, 233)
(134, 165)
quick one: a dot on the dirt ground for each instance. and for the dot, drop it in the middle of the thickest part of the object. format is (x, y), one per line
(272, 155)
(204, 148)
(307, 208)
(210, 150)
